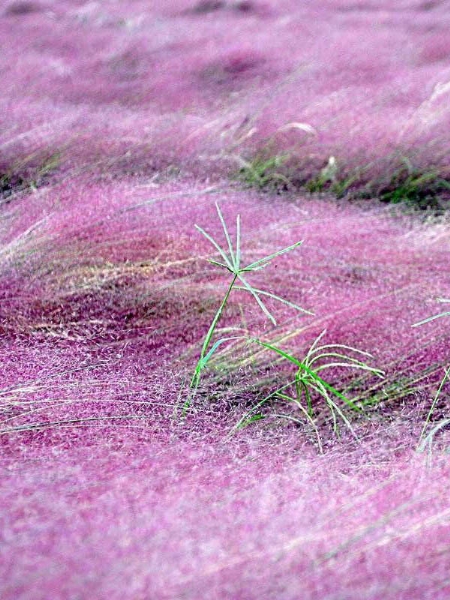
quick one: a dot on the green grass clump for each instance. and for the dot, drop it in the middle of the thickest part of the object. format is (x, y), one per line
(264, 172)
(418, 188)
(308, 381)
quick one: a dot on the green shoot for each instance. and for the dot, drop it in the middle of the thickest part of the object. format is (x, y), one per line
(264, 172)
(308, 383)
(230, 260)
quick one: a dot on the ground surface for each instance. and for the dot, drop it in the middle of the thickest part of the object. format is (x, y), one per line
(122, 125)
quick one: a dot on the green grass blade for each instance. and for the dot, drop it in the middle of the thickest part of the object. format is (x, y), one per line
(346, 365)
(238, 243)
(319, 389)
(204, 361)
(313, 346)
(217, 247)
(199, 367)
(343, 347)
(347, 361)
(444, 314)
(266, 259)
(257, 417)
(275, 297)
(433, 405)
(227, 236)
(218, 264)
(327, 355)
(344, 419)
(261, 304)
(307, 393)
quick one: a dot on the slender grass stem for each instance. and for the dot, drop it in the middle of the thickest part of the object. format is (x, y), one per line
(201, 362)
(423, 439)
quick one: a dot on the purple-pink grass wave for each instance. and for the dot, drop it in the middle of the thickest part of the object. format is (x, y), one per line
(120, 126)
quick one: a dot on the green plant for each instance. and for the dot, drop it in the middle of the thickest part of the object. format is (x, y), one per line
(231, 258)
(341, 186)
(332, 179)
(414, 186)
(307, 382)
(326, 177)
(263, 171)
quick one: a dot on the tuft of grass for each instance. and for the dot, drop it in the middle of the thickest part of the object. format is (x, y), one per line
(326, 177)
(231, 261)
(416, 187)
(264, 172)
(308, 383)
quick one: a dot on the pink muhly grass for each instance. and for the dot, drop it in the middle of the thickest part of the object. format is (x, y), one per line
(124, 488)
(103, 72)
(105, 294)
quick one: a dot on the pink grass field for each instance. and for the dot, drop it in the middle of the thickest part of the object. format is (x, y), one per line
(121, 125)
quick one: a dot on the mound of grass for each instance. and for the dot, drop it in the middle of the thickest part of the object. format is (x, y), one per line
(418, 188)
